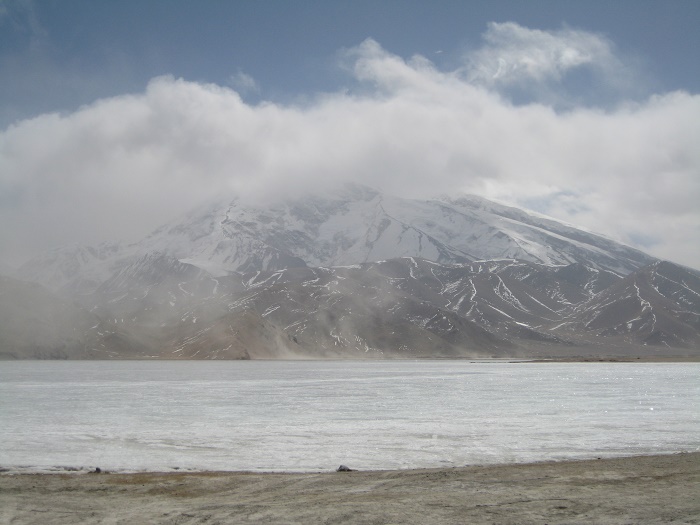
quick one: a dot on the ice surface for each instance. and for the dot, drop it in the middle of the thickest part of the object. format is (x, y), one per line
(307, 416)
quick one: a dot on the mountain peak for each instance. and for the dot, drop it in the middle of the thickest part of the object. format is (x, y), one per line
(345, 225)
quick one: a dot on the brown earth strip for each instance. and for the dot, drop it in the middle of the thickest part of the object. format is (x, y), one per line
(646, 489)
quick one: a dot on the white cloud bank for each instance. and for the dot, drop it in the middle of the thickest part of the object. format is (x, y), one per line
(121, 166)
(514, 54)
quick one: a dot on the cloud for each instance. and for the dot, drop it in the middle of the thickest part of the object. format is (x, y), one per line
(121, 166)
(244, 83)
(516, 54)
(532, 64)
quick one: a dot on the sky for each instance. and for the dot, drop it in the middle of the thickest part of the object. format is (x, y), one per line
(116, 117)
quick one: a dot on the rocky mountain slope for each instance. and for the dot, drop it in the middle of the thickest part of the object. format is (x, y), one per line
(657, 305)
(355, 273)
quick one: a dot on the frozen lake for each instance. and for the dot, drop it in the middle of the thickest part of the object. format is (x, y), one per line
(316, 415)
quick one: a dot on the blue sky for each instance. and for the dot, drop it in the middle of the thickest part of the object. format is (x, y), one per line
(57, 55)
(587, 111)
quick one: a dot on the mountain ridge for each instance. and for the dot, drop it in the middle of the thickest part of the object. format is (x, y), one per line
(352, 225)
(356, 273)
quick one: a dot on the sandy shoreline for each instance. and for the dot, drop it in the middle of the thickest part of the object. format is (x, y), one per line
(643, 489)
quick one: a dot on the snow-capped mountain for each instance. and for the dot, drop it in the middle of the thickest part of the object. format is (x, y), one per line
(354, 272)
(356, 224)
(351, 225)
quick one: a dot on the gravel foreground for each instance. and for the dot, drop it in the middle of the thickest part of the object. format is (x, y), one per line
(645, 489)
